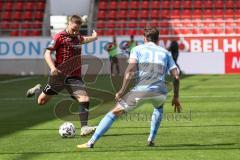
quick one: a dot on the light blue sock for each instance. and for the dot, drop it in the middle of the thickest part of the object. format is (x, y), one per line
(103, 126)
(155, 122)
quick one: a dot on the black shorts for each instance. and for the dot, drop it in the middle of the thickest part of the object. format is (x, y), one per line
(74, 85)
(114, 59)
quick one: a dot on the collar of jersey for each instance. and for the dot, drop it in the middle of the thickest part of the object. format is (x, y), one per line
(151, 43)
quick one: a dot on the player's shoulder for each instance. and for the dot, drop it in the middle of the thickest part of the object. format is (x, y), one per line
(59, 34)
(139, 47)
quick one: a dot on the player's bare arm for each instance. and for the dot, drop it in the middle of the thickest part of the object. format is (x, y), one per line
(50, 63)
(175, 100)
(129, 74)
(88, 39)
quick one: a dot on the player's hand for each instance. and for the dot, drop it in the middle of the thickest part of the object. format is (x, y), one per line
(94, 34)
(176, 104)
(118, 95)
(54, 71)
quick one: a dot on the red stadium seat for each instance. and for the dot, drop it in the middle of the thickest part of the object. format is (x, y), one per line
(18, 6)
(121, 24)
(208, 4)
(154, 23)
(8, 6)
(142, 23)
(197, 4)
(229, 30)
(131, 32)
(219, 4)
(164, 31)
(14, 25)
(229, 13)
(101, 14)
(102, 5)
(24, 33)
(176, 4)
(237, 30)
(17, 15)
(134, 4)
(109, 32)
(186, 4)
(122, 14)
(40, 6)
(144, 14)
(29, 5)
(100, 32)
(207, 31)
(35, 33)
(100, 24)
(175, 13)
(6, 15)
(14, 33)
(208, 13)
(133, 14)
(110, 24)
(27, 15)
(155, 4)
(165, 13)
(113, 5)
(218, 13)
(164, 24)
(4, 25)
(218, 30)
(132, 24)
(39, 15)
(237, 4)
(186, 13)
(112, 14)
(155, 14)
(165, 4)
(229, 4)
(123, 4)
(36, 24)
(145, 4)
(197, 13)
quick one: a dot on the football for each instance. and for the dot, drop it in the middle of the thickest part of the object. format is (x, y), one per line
(67, 130)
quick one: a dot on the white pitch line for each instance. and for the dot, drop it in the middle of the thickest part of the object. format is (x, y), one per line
(16, 80)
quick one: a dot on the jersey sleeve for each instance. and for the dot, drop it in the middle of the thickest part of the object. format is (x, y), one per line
(134, 54)
(55, 43)
(171, 64)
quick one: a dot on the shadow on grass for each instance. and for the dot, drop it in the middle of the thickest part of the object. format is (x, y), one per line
(22, 114)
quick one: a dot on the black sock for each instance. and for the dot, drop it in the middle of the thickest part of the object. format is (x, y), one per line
(84, 106)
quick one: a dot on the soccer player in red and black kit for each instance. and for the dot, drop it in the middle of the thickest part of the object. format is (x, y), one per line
(65, 71)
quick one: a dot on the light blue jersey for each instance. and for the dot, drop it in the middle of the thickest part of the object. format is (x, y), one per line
(153, 63)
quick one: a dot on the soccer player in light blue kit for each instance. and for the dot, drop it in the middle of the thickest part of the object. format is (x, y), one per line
(149, 63)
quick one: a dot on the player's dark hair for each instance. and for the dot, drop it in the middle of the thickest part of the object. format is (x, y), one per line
(151, 34)
(76, 19)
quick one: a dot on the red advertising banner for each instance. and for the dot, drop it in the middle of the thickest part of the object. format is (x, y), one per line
(205, 44)
(232, 63)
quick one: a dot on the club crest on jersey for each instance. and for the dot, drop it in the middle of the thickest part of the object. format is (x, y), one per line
(52, 43)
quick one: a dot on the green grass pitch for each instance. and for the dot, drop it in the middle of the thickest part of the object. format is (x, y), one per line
(208, 128)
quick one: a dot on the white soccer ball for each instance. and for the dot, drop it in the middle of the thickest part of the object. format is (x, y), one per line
(67, 130)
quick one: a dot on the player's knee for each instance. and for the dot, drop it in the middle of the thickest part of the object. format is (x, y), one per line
(117, 112)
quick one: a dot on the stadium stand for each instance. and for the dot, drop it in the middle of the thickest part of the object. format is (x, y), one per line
(21, 18)
(171, 16)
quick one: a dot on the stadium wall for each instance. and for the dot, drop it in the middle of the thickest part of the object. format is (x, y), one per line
(204, 55)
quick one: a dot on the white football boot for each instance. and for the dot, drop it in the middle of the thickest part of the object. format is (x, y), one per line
(31, 92)
(86, 130)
